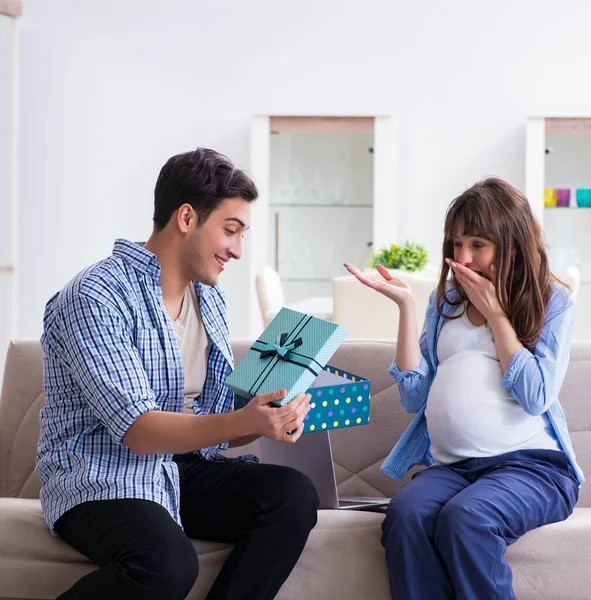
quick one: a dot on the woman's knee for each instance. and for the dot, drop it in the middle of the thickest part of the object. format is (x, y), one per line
(410, 506)
(407, 513)
(457, 521)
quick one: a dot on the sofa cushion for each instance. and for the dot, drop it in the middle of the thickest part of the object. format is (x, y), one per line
(550, 563)
(20, 404)
(27, 547)
(554, 561)
(36, 565)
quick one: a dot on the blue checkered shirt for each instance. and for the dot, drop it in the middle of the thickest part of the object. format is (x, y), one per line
(110, 354)
(532, 378)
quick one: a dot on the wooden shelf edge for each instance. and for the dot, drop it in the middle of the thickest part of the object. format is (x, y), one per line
(312, 205)
(321, 124)
(568, 208)
(568, 125)
(11, 8)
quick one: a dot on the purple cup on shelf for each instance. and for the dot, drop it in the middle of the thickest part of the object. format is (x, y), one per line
(562, 197)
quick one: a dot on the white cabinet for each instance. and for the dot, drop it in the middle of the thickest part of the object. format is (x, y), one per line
(328, 188)
(558, 185)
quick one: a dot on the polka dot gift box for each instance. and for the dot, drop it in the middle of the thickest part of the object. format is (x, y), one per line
(341, 400)
(292, 353)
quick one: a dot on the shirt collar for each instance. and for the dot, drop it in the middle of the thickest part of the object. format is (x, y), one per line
(146, 262)
(453, 296)
(135, 254)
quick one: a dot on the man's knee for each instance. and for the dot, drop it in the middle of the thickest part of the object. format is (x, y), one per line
(298, 494)
(167, 570)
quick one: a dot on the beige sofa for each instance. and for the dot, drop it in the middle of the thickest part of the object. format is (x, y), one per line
(343, 558)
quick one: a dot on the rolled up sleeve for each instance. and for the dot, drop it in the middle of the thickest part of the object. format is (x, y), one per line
(414, 384)
(534, 378)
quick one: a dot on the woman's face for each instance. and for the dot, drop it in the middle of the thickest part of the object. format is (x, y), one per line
(475, 253)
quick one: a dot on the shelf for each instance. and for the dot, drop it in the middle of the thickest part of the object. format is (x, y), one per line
(319, 205)
(567, 208)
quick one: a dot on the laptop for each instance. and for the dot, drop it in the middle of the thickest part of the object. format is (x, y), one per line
(312, 455)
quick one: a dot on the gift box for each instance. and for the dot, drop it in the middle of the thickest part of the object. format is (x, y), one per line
(339, 401)
(292, 353)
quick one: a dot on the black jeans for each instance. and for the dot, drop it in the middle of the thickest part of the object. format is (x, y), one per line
(267, 511)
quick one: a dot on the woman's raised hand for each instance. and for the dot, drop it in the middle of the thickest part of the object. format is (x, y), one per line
(389, 286)
(480, 291)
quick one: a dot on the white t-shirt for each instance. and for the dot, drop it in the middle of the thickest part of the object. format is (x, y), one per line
(194, 345)
(469, 414)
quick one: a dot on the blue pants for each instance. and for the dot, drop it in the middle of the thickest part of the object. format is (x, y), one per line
(446, 531)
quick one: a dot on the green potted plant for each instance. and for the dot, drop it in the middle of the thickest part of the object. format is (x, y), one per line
(409, 257)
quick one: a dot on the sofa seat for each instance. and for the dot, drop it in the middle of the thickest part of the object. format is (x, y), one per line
(350, 538)
(554, 561)
(34, 565)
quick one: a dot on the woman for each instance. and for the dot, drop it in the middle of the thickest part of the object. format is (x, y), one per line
(483, 380)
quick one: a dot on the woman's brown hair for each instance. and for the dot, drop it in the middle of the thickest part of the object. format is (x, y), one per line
(498, 212)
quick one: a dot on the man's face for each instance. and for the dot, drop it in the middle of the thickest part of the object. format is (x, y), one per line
(219, 239)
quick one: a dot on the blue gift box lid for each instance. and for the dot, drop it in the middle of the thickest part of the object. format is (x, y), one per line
(290, 354)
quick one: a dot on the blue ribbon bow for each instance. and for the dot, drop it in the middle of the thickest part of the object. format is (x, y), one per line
(280, 349)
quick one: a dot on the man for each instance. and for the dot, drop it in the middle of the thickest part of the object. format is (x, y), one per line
(136, 349)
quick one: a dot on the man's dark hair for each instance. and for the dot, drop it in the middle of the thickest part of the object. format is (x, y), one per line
(202, 178)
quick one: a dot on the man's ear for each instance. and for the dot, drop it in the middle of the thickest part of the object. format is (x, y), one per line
(186, 218)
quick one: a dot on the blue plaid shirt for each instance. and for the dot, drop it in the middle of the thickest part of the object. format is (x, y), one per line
(110, 355)
(532, 378)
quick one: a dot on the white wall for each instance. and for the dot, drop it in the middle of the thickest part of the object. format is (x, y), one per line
(111, 89)
(6, 278)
